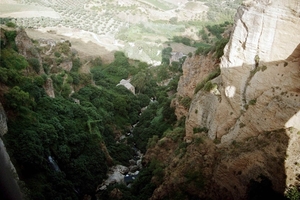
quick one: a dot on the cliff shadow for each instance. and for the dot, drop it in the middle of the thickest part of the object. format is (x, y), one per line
(258, 156)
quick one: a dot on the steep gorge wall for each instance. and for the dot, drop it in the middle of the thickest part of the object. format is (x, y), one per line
(195, 68)
(262, 32)
(255, 118)
(9, 188)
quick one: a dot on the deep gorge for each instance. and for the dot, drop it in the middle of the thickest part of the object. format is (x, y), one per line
(224, 123)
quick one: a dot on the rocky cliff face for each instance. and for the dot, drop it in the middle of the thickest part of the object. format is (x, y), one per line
(27, 49)
(3, 124)
(194, 69)
(254, 118)
(259, 66)
(8, 185)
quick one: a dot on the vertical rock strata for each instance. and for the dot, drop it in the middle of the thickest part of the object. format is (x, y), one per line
(255, 120)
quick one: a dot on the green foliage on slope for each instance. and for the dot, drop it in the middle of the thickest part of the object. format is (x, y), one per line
(74, 134)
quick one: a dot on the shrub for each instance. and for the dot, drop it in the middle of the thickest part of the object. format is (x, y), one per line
(11, 35)
(220, 45)
(292, 193)
(76, 64)
(252, 102)
(203, 50)
(211, 76)
(208, 86)
(11, 24)
(35, 64)
(183, 40)
(198, 140)
(152, 141)
(176, 134)
(57, 54)
(199, 87)
(186, 102)
(12, 60)
(242, 125)
(200, 129)
(196, 178)
(263, 68)
(217, 140)
(216, 30)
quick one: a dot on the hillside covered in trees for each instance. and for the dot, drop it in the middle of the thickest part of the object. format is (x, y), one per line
(80, 128)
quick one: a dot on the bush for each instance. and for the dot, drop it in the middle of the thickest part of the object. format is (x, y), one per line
(252, 102)
(211, 76)
(292, 193)
(65, 90)
(200, 130)
(35, 64)
(12, 60)
(186, 102)
(183, 40)
(208, 86)
(11, 24)
(220, 45)
(263, 68)
(76, 64)
(152, 141)
(203, 50)
(175, 134)
(57, 54)
(217, 30)
(166, 55)
(97, 61)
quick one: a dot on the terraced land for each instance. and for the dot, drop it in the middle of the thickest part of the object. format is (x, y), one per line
(138, 27)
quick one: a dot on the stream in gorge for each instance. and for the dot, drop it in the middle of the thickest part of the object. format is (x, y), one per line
(120, 174)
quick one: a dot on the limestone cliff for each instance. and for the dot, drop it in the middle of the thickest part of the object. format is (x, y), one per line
(194, 69)
(253, 70)
(254, 117)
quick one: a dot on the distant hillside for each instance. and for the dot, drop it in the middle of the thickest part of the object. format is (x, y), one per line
(139, 27)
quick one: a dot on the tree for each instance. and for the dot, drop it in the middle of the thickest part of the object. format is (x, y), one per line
(166, 55)
(35, 64)
(173, 20)
(17, 98)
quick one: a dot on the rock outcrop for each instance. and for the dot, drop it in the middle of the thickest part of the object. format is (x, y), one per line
(49, 89)
(259, 66)
(27, 49)
(194, 69)
(254, 117)
(3, 124)
(8, 175)
(127, 85)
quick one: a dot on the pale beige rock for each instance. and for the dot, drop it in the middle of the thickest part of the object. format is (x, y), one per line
(67, 65)
(49, 88)
(259, 101)
(127, 85)
(194, 69)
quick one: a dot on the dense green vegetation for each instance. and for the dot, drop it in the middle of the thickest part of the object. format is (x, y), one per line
(78, 131)
(210, 40)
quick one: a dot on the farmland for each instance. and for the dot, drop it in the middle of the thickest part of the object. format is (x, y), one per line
(138, 27)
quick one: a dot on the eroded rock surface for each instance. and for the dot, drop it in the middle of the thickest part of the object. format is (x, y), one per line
(254, 117)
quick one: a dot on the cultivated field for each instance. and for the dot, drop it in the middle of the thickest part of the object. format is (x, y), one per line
(139, 27)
